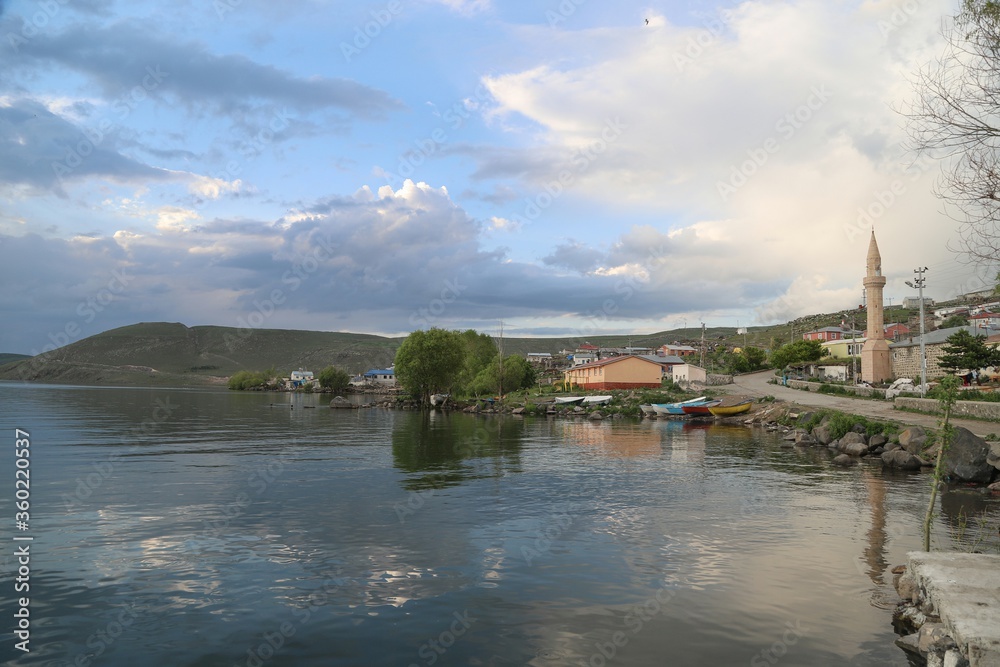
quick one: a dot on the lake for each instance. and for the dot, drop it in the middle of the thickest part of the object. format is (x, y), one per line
(202, 528)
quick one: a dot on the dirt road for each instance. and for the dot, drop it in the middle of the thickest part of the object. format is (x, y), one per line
(756, 385)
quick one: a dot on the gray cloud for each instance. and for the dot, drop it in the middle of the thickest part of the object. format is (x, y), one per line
(40, 149)
(117, 59)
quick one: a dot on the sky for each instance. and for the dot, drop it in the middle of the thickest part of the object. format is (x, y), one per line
(570, 167)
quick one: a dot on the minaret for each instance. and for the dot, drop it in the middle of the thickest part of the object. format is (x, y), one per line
(875, 364)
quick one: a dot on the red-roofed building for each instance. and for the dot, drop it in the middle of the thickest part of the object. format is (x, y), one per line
(627, 372)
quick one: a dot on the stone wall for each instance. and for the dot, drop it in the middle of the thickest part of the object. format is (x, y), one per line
(976, 409)
(716, 380)
(906, 362)
(858, 391)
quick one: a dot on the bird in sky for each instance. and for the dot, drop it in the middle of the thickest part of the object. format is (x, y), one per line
(647, 21)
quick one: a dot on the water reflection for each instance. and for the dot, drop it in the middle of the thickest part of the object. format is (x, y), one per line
(455, 448)
(875, 546)
(973, 519)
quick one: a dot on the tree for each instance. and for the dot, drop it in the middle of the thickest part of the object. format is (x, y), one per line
(797, 352)
(756, 358)
(956, 118)
(430, 362)
(518, 373)
(480, 349)
(963, 351)
(955, 321)
(334, 378)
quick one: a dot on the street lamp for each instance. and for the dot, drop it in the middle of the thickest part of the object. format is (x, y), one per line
(918, 283)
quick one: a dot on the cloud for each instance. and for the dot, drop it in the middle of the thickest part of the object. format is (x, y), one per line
(123, 56)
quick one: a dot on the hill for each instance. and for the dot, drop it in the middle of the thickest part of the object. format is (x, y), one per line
(9, 357)
(164, 353)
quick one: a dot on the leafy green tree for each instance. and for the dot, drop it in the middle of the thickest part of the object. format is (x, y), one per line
(480, 349)
(963, 351)
(243, 380)
(334, 378)
(797, 352)
(955, 321)
(430, 362)
(756, 358)
(518, 373)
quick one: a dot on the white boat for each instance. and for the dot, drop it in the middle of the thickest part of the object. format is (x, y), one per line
(597, 400)
(568, 400)
(648, 409)
(439, 399)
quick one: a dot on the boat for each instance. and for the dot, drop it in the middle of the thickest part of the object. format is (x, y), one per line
(676, 408)
(700, 409)
(597, 400)
(648, 409)
(568, 400)
(729, 410)
(439, 399)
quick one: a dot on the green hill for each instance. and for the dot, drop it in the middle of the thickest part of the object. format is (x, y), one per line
(173, 354)
(10, 357)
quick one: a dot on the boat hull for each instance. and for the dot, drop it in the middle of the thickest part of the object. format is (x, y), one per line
(703, 410)
(729, 410)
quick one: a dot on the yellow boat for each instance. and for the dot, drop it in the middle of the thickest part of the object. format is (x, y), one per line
(730, 410)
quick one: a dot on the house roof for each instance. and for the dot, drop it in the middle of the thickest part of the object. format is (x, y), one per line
(666, 359)
(681, 347)
(587, 346)
(941, 335)
(380, 371)
(837, 329)
(539, 354)
(613, 360)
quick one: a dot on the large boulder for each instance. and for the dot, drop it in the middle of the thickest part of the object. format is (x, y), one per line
(341, 402)
(993, 458)
(965, 458)
(853, 448)
(877, 440)
(854, 438)
(822, 434)
(913, 439)
(900, 459)
(843, 460)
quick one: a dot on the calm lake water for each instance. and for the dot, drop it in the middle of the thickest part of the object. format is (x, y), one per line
(188, 527)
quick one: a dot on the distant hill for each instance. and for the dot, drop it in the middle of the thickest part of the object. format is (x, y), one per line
(9, 357)
(173, 354)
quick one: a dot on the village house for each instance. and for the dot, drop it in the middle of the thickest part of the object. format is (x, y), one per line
(542, 359)
(677, 350)
(830, 333)
(845, 348)
(893, 331)
(626, 372)
(385, 377)
(300, 377)
(914, 302)
(984, 320)
(581, 358)
(689, 373)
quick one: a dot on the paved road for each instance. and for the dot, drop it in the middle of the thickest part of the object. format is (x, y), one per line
(756, 384)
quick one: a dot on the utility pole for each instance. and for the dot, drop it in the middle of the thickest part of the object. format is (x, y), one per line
(919, 282)
(702, 344)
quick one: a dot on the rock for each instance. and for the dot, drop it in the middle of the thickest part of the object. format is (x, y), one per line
(517, 411)
(596, 416)
(899, 569)
(578, 409)
(954, 658)
(822, 434)
(859, 429)
(805, 439)
(900, 459)
(853, 437)
(891, 446)
(877, 451)
(913, 439)
(843, 460)
(341, 402)
(878, 440)
(930, 635)
(965, 458)
(908, 643)
(854, 448)
(794, 435)
(994, 488)
(993, 458)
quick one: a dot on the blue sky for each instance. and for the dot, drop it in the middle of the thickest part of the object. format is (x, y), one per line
(379, 167)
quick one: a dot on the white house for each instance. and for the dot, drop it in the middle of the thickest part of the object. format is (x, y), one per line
(686, 373)
(300, 377)
(383, 376)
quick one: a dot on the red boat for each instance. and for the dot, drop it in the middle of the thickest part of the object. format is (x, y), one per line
(700, 410)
